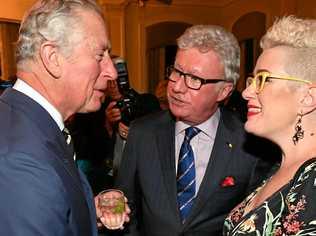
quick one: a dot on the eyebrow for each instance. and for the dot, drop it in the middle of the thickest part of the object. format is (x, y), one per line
(179, 67)
(262, 70)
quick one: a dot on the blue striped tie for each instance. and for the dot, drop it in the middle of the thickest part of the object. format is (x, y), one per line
(186, 174)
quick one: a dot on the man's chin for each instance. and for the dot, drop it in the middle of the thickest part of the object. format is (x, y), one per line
(178, 112)
(93, 106)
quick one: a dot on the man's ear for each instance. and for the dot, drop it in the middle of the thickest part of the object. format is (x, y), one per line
(308, 103)
(50, 58)
(225, 91)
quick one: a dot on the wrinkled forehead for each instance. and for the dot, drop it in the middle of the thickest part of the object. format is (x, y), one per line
(94, 29)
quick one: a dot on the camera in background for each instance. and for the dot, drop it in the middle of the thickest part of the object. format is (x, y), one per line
(133, 105)
(128, 104)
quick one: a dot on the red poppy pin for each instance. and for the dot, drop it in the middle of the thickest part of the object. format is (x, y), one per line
(228, 182)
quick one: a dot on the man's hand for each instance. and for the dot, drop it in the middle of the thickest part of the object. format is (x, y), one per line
(112, 217)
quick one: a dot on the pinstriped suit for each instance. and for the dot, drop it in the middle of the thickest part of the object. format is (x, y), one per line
(148, 178)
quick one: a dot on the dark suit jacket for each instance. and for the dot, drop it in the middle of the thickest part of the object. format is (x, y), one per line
(148, 178)
(42, 192)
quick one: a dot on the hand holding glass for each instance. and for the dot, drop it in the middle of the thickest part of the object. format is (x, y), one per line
(111, 203)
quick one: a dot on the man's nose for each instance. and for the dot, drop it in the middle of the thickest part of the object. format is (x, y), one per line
(108, 69)
(179, 85)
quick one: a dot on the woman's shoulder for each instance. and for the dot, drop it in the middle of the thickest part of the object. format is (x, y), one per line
(304, 181)
(306, 170)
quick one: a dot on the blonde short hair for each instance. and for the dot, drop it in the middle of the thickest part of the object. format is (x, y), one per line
(298, 37)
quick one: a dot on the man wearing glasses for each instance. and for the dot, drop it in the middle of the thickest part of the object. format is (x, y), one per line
(183, 170)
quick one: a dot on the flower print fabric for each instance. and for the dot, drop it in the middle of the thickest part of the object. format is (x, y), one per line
(290, 211)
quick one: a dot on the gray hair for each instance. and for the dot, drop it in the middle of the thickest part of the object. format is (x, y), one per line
(217, 39)
(52, 20)
(298, 37)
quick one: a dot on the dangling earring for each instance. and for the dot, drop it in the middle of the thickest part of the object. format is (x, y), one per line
(299, 132)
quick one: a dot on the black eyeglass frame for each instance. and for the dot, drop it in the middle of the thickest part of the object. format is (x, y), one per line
(203, 81)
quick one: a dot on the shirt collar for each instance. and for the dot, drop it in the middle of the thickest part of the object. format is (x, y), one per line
(26, 89)
(208, 127)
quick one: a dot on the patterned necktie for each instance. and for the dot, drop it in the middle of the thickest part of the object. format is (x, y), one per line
(69, 141)
(186, 174)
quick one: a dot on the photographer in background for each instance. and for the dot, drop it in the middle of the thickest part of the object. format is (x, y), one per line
(125, 106)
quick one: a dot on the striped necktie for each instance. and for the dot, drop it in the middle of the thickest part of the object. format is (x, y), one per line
(186, 174)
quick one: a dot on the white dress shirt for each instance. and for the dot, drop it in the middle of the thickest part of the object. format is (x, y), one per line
(202, 144)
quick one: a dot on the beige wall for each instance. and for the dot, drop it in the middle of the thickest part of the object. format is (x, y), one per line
(224, 12)
(13, 10)
(129, 22)
(306, 8)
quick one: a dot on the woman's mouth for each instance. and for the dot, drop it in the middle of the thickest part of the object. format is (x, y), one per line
(253, 110)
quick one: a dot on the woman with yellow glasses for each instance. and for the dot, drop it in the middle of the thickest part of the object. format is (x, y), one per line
(281, 100)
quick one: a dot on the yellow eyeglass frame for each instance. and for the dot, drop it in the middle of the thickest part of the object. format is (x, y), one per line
(265, 74)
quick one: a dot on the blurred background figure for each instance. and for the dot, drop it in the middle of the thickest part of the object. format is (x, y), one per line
(161, 94)
(94, 147)
(4, 84)
(125, 106)
(237, 104)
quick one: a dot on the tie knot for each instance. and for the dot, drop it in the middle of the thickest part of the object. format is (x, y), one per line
(67, 136)
(191, 132)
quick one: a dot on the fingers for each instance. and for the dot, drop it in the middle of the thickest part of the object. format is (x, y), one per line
(112, 113)
(97, 207)
(123, 130)
(127, 209)
(111, 105)
(112, 209)
(123, 127)
(113, 222)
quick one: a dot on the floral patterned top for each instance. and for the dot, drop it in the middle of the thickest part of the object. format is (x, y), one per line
(290, 211)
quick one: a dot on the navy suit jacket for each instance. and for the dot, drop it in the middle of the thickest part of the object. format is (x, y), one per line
(41, 190)
(148, 178)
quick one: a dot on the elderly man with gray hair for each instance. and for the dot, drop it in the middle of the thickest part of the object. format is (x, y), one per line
(63, 65)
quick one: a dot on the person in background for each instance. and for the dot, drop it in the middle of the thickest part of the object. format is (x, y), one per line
(161, 94)
(145, 104)
(183, 170)
(4, 84)
(94, 146)
(281, 98)
(63, 65)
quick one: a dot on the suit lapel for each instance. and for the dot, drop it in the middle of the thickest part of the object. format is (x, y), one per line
(166, 148)
(64, 157)
(51, 132)
(217, 165)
